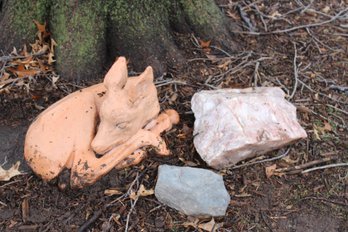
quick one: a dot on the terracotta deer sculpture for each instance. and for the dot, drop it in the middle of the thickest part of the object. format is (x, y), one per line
(113, 119)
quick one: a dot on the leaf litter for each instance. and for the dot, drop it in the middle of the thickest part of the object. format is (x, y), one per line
(276, 201)
(21, 67)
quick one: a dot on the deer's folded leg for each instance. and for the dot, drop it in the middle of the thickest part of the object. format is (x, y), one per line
(133, 159)
(87, 169)
(163, 122)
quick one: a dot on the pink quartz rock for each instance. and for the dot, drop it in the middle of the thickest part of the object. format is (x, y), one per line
(68, 135)
(235, 124)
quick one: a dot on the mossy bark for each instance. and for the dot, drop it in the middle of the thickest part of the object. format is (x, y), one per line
(16, 21)
(90, 34)
(79, 30)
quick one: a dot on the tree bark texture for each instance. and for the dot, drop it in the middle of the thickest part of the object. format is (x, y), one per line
(90, 34)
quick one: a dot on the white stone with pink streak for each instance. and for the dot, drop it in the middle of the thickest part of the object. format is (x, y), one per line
(235, 124)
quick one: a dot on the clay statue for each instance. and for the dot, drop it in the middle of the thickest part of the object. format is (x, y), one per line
(113, 119)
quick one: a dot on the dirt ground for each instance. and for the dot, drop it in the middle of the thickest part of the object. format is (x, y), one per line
(301, 46)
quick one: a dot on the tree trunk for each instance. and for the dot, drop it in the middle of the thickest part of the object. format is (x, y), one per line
(90, 34)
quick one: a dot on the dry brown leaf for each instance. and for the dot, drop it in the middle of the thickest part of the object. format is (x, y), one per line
(326, 9)
(225, 64)
(40, 27)
(50, 58)
(270, 170)
(210, 226)
(327, 126)
(193, 224)
(20, 71)
(204, 44)
(43, 49)
(288, 160)
(6, 175)
(111, 192)
(25, 210)
(5, 76)
(232, 15)
(133, 195)
(53, 44)
(145, 192)
(316, 132)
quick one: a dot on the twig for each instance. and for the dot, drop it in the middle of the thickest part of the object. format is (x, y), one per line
(245, 18)
(9, 183)
(321, 94)
(221, 50)
(256, 73)
(90, 221)
(136, 179)
(326, 200)
(133, 203)
(295, 73)
(298, 168)
(3, 204)
(262, 161)
(324, 167)
(266, 222)
(168, 82)
(333, 18)
(261, 16)
(338, 109)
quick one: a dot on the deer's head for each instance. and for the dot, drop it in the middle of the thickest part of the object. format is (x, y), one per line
(129, 104)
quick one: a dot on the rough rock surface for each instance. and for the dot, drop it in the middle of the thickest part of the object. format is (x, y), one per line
(234, 124)
(193, 191)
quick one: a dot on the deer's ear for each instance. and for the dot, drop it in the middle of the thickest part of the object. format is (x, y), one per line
(144, 81)
(116, 77)
(143, 85)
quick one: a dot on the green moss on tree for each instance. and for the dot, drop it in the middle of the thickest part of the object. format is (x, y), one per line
(204, 17)
(23, 12)
(79, 31)
(89, 33)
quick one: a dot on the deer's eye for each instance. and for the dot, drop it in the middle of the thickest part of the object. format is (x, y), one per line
(122, 125)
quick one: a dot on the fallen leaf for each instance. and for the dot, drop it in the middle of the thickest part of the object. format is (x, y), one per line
(116, 218)
(316, 132)
(225, 64)
(204, 44)
(232, 15)
(50, 58)
(111, 192)
(6, 175)
(145, 192)
(210, 226)
(54, 80)
(327, 126)
(133, 195)
(5, 76)
(20, 71)
(326, 9)
(275, 15)
(270, 170)
(40, 27)
(193, 224)
(53, 44)
(288, 160)
(25, 210)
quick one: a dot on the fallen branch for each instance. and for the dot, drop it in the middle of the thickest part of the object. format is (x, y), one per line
(262, 161)
(325, 167)
(333, 18)
(326, 200)
(299, 168)
(295, 73)
(90, 221)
